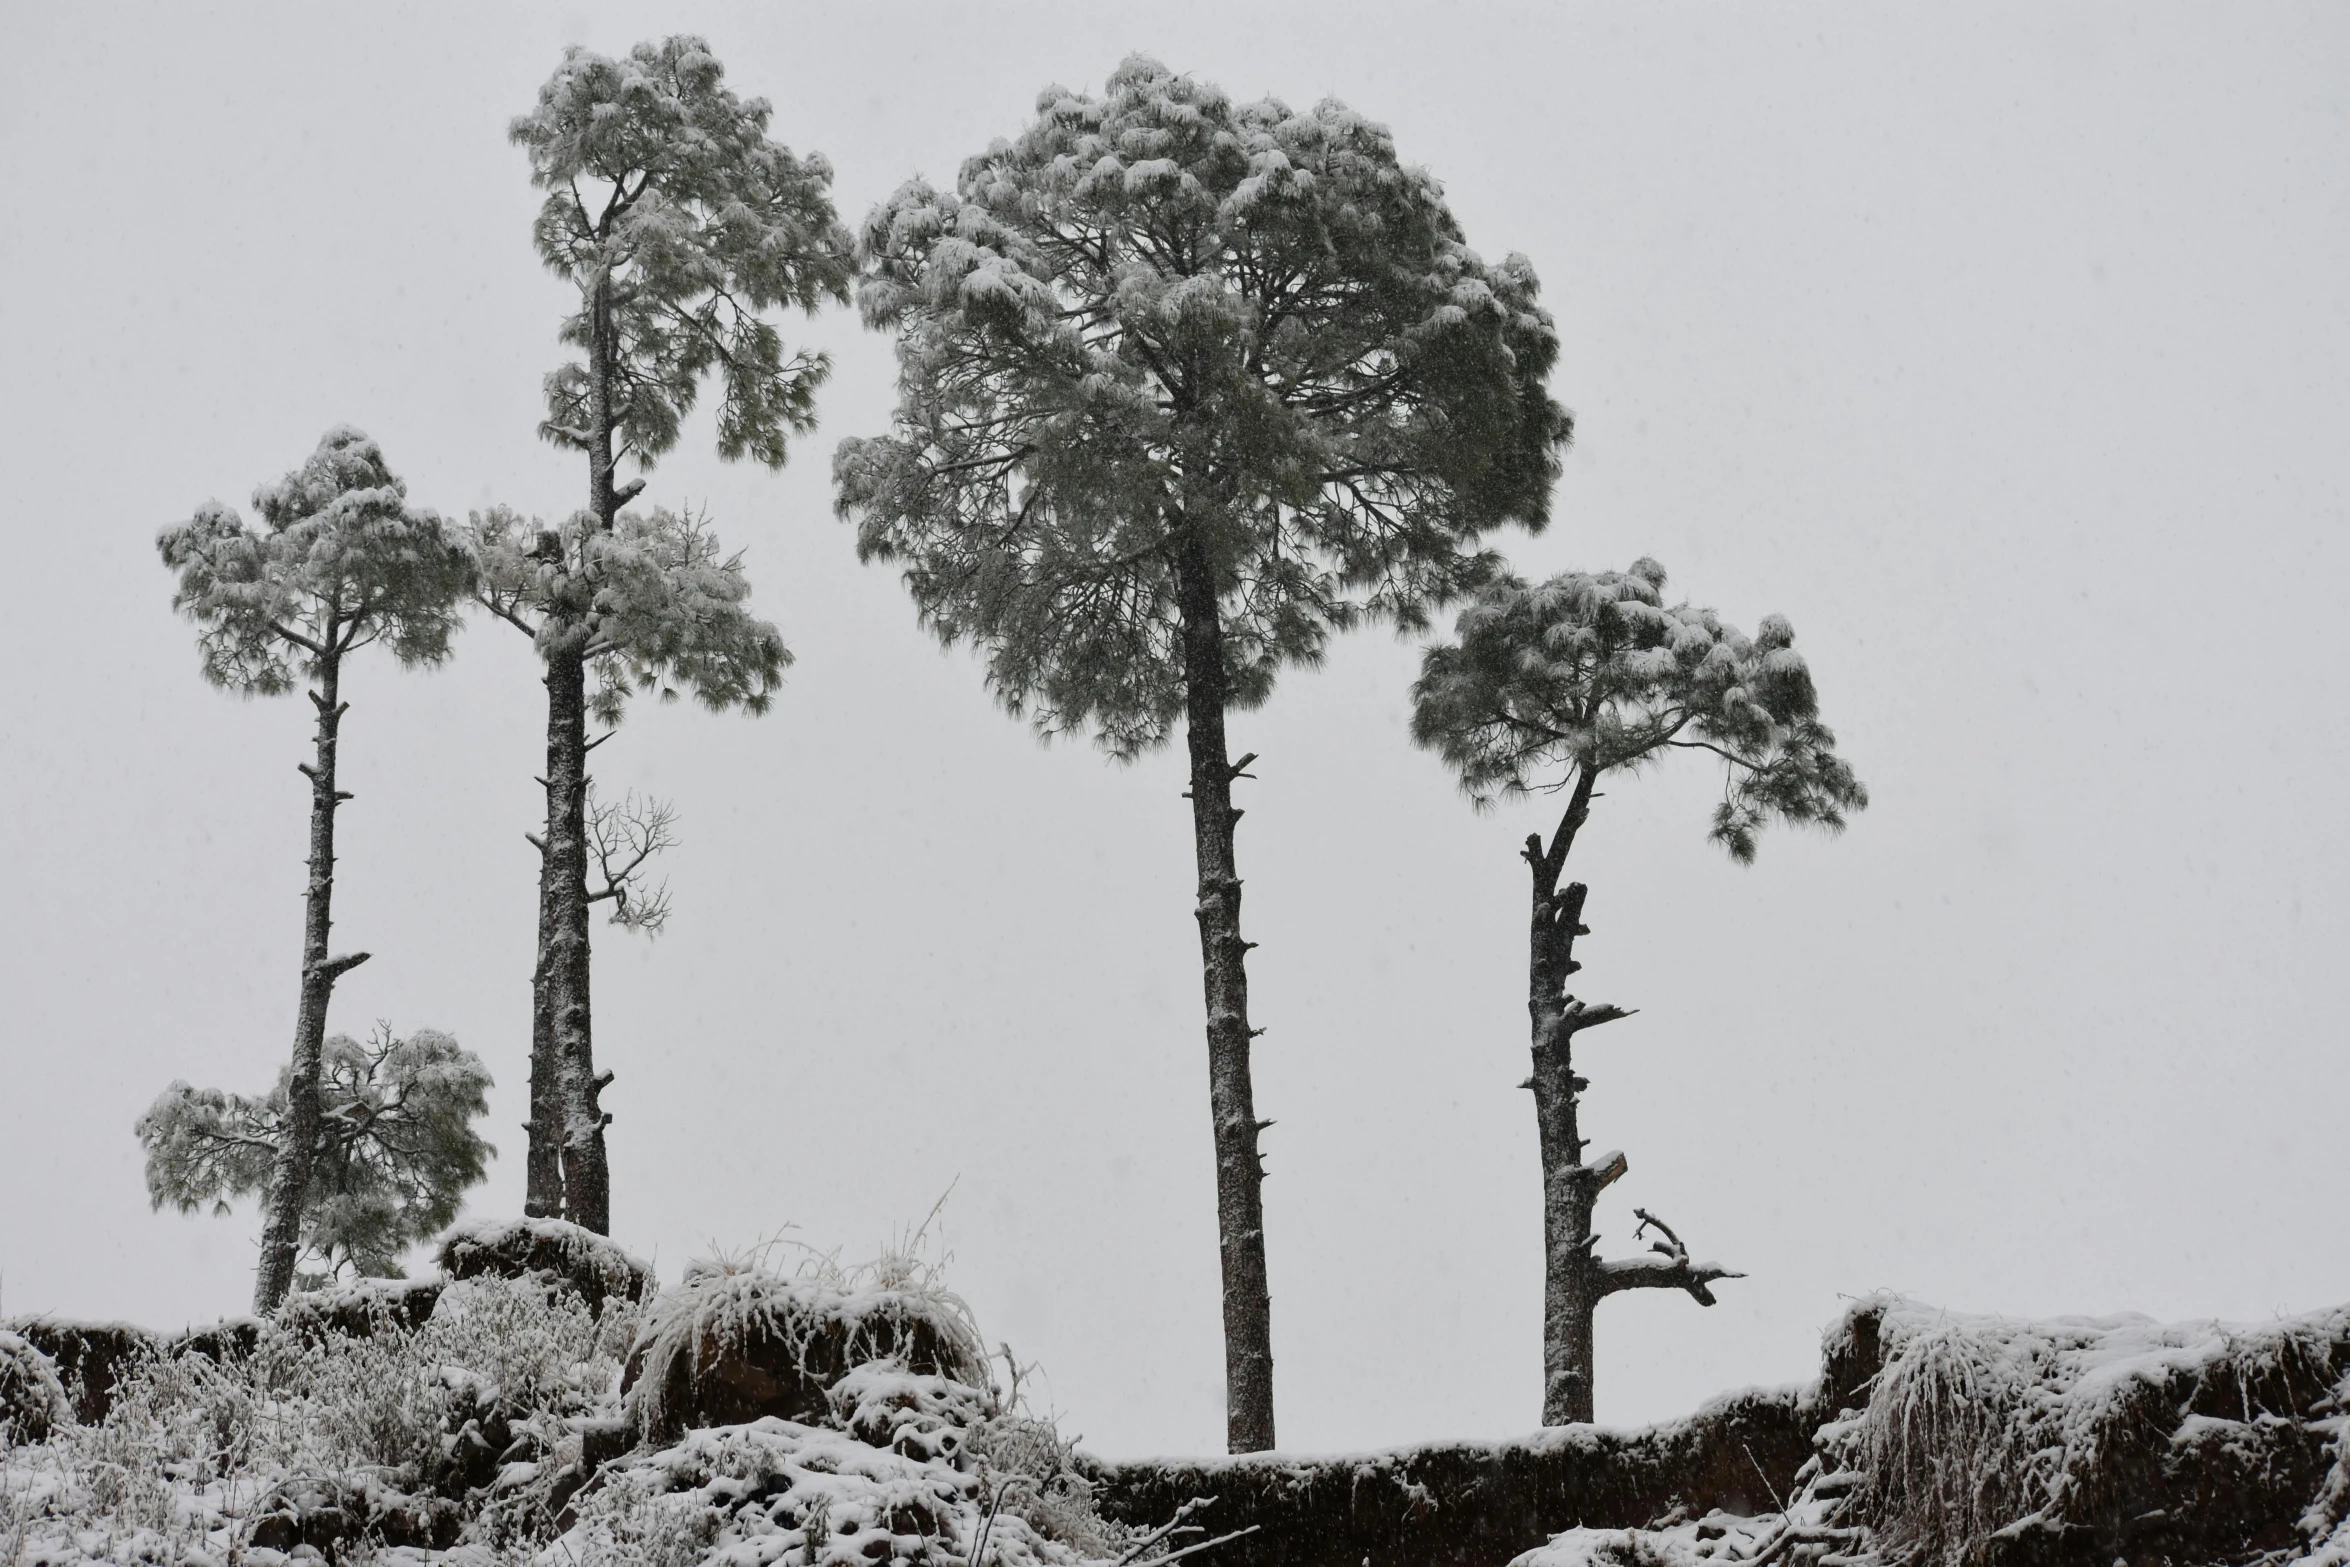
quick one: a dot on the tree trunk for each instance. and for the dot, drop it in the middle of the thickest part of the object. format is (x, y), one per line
(289, 1189)
(1240, 1206)
(543, 1172)
(562, 996)
(1570, 1275)
(563, 961)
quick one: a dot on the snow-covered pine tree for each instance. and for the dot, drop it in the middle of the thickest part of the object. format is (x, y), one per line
(682, 227)
(341, 560)
(395, 1151)
(1185, 385)
(648, 604)
(1549, 688)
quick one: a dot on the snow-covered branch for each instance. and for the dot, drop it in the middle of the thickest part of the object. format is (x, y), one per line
(1670, 1269)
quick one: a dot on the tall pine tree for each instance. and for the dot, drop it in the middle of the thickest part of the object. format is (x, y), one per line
(1553, 687)
(683, 228)
(1186, 385)
(341, 560)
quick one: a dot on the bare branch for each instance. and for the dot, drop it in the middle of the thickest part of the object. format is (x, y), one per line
(1581, 1015)
(623, 835)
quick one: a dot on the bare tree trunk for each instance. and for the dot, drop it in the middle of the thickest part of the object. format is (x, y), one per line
(1240, 1207)
(543, 1172)
(289, 1189)
(1571, 1285)
(586, 1182)
(564, 941)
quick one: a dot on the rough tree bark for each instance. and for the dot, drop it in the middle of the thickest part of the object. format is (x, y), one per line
(289, 1188)
(569, 1142)
(543, 1169)
(1574, 1281)
(1240, 1206)
(587, 1192)
(1569, 1186)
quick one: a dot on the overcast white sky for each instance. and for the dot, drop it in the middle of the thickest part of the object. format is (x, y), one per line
(2006, 351)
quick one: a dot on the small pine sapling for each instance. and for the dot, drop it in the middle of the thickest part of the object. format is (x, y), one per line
(394, 1153)
(340, 560)
(682, 227)
(1549, 688)
(1185, 386)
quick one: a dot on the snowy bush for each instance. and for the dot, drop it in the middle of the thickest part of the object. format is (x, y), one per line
(387, 1435)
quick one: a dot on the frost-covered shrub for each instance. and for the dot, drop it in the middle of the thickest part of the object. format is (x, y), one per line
(1025, 1462)
(32, 1398)
(471, 1421)
(538, 1349)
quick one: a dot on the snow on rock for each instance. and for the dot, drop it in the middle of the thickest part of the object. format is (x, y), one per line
(90, 1357)
(32, 1398)
(2097, 1430)
(1474, 1504)
(513, 1248)
(361, 1309)
(1979, 1441)
(776, 1491)
(921, 1417)
(732, 1344)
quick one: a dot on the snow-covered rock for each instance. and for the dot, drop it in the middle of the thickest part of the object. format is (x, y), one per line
(731, 1345)
(32, 1398)
(514, 1248)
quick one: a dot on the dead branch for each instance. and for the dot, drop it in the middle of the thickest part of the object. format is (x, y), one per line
(1580, 1015)
(1670, 1268)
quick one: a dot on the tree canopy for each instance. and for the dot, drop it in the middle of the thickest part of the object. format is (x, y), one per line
(651, 604)
(661, 184)
(1591, 672)
(341, 559)
(1159, 320)
(396, 1151)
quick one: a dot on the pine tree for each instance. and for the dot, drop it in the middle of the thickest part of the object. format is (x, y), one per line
(681, 226)
(341, 560)
(1552, 687)
(394, 1155)
(1185, 385)
(649, 604)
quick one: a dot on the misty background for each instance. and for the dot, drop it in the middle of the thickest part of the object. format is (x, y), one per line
(2005, 351)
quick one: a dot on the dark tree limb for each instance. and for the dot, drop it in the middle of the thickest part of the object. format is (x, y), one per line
(1670, 1269)
(622, 836)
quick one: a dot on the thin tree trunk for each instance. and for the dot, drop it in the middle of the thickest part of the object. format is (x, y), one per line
(1240, 1206)
(1570, 1274)
(289, 1190)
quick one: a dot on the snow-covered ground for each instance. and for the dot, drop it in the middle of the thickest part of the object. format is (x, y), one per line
(504, 1427)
